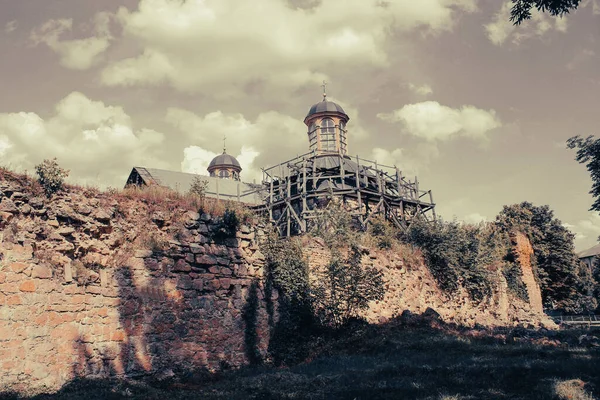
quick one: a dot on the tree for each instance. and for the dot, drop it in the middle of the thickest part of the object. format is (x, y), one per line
(345, 288)
(555, 263)
(588, 153)
(521, 9)
(51, 176)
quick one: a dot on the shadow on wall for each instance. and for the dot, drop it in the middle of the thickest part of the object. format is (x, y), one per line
(175, 318)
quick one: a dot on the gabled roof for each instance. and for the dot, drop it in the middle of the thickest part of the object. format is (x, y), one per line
(592, 251)
(224, 189)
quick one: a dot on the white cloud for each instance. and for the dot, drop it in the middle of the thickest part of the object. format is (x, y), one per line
(586, 231)
(270, 139)
(422, 90)
(474, 218)
(432, 121)
(501, 28)
(78, 54)
(10, 26)
(410, 163)
(95, 141)
(220, 46)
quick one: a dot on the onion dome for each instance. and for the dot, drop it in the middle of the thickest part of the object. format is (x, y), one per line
(224, 160)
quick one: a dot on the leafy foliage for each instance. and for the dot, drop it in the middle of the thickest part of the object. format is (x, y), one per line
(457, 255)
(588, 153)
(521, 9)
(51, 176)
(383, 231)
(555, 262)
(198, 188)
(227, 225)
(334, 225)
(345, 288)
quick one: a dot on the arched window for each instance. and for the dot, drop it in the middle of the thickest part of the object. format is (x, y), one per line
(343, 137)
(224, 174)
(312, 136)
(328, 135)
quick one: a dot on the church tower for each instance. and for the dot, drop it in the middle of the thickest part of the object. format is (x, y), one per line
(326, 122)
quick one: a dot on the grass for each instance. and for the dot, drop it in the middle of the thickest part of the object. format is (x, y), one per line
(394, 361)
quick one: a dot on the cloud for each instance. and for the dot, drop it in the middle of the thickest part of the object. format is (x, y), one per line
(202, 45)
(77, 54)
(10, 26)
(432, 121)
(268, 140)
(95, 141)
(410, 163)
(474, 218)
(422, 90)
(501, 28)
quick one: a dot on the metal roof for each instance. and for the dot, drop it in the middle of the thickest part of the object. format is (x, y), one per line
(325, 106)
(225, 189)
(592, 251)
(224, 160)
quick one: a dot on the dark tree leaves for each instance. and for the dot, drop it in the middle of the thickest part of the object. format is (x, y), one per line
(521, 9)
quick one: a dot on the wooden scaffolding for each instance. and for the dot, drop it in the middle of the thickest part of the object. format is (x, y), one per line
(298, 187)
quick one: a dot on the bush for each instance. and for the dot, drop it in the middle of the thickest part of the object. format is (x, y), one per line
(198, 188)
(227, 225)
(457, 254)
(383, 232)
(334, 225)
(344, 288)
(51, 176)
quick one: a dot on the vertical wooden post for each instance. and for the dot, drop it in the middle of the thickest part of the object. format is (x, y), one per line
(304, 205)
(342, 172)
(289, 205)
(358, 194)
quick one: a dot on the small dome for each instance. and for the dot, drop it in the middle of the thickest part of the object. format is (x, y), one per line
(325, 106)
(224, 160)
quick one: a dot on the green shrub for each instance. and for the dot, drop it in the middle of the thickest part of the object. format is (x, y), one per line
(198, 188)
(345, 288)
(383, 231)
(457, 254)
(334, 225)
(227, 225)
(51, 176)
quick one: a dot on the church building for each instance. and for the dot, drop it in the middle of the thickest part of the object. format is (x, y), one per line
(292, 191)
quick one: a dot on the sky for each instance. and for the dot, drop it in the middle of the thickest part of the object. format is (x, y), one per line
(448, 90)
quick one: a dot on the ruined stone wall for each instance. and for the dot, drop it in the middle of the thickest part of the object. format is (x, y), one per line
(84, 291)
(410, 286)
(98, 285)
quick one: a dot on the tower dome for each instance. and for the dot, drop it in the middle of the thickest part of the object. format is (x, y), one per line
(225, 166)
(326, 122)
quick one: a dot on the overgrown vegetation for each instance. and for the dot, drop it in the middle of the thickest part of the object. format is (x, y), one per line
(344, 288)
(554, 261)
(198, 188)
(51, 176)
(227, 225)
(458, 255)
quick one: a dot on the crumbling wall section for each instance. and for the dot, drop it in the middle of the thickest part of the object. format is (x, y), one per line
(78, 299)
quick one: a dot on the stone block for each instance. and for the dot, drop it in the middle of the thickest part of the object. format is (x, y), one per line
(68, 272)
(41, 272)
(27, 286)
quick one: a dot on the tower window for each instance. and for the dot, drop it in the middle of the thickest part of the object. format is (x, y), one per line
(343, 137)
(328, 135)
(312, 136)
(224, 174)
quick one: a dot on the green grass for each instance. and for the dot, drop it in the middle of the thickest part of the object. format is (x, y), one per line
(390, 362)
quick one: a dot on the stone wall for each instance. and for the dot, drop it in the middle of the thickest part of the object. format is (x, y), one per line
(410, 286)
(97, 285)
(92, 287)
